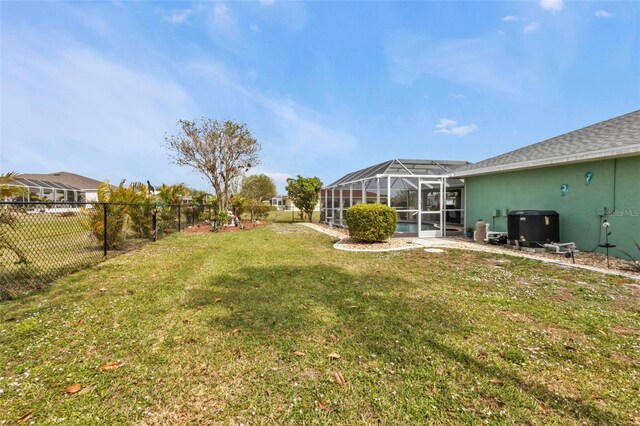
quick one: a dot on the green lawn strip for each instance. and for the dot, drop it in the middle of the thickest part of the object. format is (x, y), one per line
(207, 327)
(286, 216)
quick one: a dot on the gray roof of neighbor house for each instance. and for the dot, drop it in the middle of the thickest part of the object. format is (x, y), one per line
(402, 167)
(616, 137)
(71, 179)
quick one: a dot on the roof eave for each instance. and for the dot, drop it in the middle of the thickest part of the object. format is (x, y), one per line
(625, 151)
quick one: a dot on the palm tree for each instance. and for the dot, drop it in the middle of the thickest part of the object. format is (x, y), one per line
(173, 194)
(8, 218)
(117, 213)
(7, 189)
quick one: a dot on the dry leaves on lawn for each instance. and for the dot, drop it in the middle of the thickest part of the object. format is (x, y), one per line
(74, 388)
(299, 353)
(333, 337)
(86, 389)
(110, 366)
(322, 407)
(333, 355)
(496, 381)
(236, 331)
(79, 322)
(218, 300)
(102, 289)
(25, 417)
(186, 321)
(339, 378)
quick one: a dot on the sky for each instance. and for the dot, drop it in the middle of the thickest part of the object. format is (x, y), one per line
(326, 87)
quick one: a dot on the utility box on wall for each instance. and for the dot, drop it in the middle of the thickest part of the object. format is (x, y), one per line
(500, 212)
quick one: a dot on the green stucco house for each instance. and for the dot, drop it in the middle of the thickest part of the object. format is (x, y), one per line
(587, 176)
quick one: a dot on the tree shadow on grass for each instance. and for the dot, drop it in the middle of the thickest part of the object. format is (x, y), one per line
(278, 306)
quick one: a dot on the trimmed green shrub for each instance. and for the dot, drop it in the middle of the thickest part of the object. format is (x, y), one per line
(371, 222)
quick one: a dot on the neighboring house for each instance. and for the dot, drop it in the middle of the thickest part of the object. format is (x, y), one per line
(427, 201)
(587, 176)
(59, 186)
(279, 202)
(283, 202)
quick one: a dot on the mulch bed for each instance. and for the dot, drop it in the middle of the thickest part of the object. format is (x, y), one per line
(206, 227)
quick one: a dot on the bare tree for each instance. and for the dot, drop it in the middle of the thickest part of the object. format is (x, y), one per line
(221, 150)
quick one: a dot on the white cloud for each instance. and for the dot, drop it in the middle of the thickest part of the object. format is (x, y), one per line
(552, 5)
(510, 18)
(304, 131)
(222, 18)
(603, 14)
(95, 23)
(255, 28)
(267, 2)
(68, 108)
(447, 126)
(481, 63)
(178, 17)
(297, 136)
(534, 26)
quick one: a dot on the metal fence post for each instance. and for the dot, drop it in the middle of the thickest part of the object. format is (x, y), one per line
(179, 217)
(154, 223)
(104, 227)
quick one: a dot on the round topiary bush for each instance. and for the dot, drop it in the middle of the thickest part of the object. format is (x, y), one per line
(371, 222)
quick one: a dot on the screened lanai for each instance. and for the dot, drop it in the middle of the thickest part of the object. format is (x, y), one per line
(427, 201)
(41, 190)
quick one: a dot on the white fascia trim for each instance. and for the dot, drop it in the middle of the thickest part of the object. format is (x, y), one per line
(605, 154)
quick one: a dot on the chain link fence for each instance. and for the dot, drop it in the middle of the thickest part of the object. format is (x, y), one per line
(40, 242)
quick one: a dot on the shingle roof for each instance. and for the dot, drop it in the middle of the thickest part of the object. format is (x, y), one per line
(619, 136)
(402, 167)
(71, 179)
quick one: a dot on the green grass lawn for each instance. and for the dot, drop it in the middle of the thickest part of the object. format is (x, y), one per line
(207, 327)
(286, 216)
(53, 246)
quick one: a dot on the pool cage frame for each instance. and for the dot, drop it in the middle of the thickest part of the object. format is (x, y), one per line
(428, 201)
(44, 190)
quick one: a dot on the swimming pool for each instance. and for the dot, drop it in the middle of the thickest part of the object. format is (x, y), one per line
(412, 228)
(406, 228)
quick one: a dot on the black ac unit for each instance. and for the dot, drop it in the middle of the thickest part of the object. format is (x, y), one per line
(533, 227)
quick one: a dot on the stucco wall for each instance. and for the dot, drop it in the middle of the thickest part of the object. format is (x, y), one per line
(579, 209)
